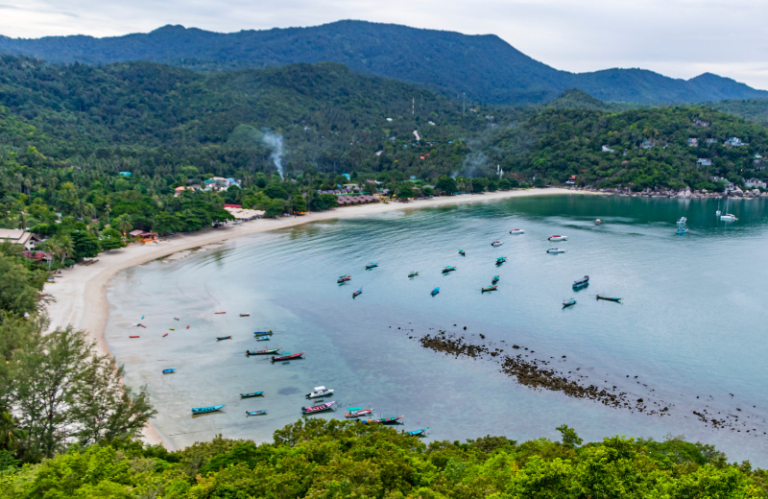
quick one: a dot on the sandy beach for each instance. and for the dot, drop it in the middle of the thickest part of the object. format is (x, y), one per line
(79, 295)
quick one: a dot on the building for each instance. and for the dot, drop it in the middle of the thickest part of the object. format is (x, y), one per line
(735, 142)
(177, 191)
(711, 141)
(755, 183)
(125, 174)
(607, 149)
(19, 236)
(571, 180)
(647, 144)
(703, 162)
(692, 142)
(700, 123)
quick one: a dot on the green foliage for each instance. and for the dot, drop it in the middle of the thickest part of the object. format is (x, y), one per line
(316, 458)
(85, 245)
(19, 285)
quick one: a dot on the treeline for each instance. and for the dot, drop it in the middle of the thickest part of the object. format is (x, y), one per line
(319, 459)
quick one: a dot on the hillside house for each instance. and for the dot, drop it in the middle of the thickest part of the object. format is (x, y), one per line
(703, 162)
(607, 149)
(647, 144)
(711, 141)
(700, 123)
(735, 142)
(755, 183)
(693, 142)
(571, 180)
(19, 236)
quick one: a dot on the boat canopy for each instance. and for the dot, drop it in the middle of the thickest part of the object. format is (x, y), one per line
(319, 388)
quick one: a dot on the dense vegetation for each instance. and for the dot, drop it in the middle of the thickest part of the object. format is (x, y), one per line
(343, 459)
(485, 67)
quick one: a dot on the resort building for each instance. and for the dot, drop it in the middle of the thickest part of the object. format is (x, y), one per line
(19, 236)
(703, 162)
(735, 142)
(692, 142)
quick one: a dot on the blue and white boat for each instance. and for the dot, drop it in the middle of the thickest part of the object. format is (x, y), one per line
(681, 228)
(555, 251)
(255, 413)
(169, 371)
(206, 410)
(435, 291)
(419, 433)
(250, 395)
(581, 282)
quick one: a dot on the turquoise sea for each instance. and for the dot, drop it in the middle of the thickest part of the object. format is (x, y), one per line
(690, 334)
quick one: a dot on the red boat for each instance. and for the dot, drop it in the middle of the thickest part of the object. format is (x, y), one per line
(133, 336)
(313, 409)
(219, 313)
(392, 420)
(166, 334)
(290, 356)
(356, 412)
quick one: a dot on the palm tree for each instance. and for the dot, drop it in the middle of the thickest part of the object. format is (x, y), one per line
(10, 433)
(123, 223)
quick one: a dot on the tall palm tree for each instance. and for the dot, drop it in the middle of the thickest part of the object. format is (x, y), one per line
(123, 223)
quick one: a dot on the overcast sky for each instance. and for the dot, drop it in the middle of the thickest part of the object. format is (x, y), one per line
(679, 38)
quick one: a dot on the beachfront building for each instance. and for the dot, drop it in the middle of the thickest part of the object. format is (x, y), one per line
(755, 183)
(19, 236)
(350, 200)
(143, 236)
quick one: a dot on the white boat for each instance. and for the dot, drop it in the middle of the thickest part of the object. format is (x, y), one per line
(496, 243)
(717, 213)
(555, 250)
(728, 218)
(517, 231)
(320, 391)
(557, 237)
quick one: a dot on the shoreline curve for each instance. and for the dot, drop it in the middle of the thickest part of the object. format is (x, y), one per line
(79, 298)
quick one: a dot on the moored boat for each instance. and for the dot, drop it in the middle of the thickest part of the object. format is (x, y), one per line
(250, 395)
(557, 237)
(255, 413)
(245, 315)
(517, 231)
(320, 391)
(598, 222)
(462, 253)
(449, 269)
(356, 293)
(206, 410)
(372, 265)
(134, 336)
(390, 420)
(169, 371)
(491, 288)
(495, 279)
(356, 412)
(263, 352)
(435, 291)
(555, 251)
(500, 260)
(343, 278)
(263, 333)
(222, 338)
(569, 303)
(728, 218)
(608, 298)
(496, 243)
(219, 313)
(581, 282)
(263, 338)
(413, 274)
(314, 409)
(418, 433)
(287, 356)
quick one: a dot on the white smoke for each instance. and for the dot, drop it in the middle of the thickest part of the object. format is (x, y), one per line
(276, 143)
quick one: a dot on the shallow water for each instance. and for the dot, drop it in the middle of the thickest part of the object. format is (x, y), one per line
(691, 323)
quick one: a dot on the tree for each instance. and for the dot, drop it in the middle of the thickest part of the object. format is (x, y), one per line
(276, 191)
(299, 203)
(569, 436)
(19, 287)
(165, 223)
(10, 432)
(85, 245)
(111, 239)
(275, 208)
(478, 185)
(404, 192)
(123, 223)
(446, 185)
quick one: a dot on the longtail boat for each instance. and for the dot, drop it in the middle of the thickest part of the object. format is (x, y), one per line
(449, 269)
(171, 329)
(255, 413)
(354, 295)
(134, 336)
(569, 303)
(435, 291)
(462, 253)
(492, 288)
(176, 318)
(250, 395)
(245, 315)
(495, 279)
(356, 412)
(419, 433)
(166, 334)
(263, 333)
(314, 409)
(608, 298)
(343, 279)
(206, 410)
(169, 371)
(219, 313)
(320, 391)
(287, 356)
(501, 260)
(413, 274)
(263, 338)
(581, 282)
(390, 420)
(263, 352)
(222, 338)
(372, 265)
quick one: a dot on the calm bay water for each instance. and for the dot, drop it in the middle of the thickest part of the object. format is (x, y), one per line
(692, 323)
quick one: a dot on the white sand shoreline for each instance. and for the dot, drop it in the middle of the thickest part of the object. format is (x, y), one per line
(80, 296)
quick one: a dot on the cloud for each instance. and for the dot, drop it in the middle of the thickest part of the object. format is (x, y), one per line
(679, 38)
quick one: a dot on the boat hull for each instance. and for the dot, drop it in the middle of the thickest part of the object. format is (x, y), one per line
(293, 356)
(207, 410)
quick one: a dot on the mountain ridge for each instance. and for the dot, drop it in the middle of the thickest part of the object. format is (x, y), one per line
(484, 67)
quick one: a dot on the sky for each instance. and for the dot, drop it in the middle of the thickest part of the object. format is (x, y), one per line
(678, 38)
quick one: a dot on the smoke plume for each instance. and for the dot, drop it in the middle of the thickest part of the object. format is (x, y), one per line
(275, 142)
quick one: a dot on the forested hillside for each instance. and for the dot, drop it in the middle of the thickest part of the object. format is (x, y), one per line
(316, 459)
(485, 67)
